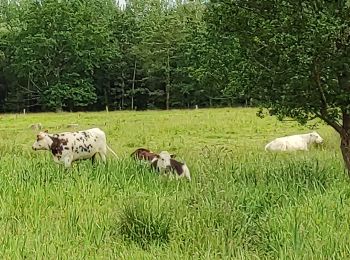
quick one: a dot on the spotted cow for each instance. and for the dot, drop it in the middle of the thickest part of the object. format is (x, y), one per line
(165, 162)
(68, 147)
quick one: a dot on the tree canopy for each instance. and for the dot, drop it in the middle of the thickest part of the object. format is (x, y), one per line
(74, 55)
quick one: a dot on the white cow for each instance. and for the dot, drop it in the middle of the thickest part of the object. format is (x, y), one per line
(164, 162)
(294, 142)
(71, 146)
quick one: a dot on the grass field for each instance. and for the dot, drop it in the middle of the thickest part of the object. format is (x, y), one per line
(242, 203)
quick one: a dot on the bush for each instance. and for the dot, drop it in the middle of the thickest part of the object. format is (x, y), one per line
(144, 225)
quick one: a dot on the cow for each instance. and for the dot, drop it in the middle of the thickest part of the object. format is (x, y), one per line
(294, 142)
(144, 154)
(165, 162)
(68, 147)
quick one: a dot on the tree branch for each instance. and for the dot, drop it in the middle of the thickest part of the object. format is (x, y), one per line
(36, 86)
(27, 90)
(337, 127)
(324, 105)
(317, 78)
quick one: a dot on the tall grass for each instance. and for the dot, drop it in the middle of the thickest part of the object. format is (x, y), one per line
(144, 225)
(242, 203)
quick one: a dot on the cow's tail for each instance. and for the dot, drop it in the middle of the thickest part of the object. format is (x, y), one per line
(186, 172)
(110, 149)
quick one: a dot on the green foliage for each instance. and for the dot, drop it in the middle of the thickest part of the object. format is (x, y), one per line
(294, 55)
(290, 57)
(59, 49)
(74, 55)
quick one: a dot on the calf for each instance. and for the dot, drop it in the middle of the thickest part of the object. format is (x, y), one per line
(71, 146)
(144, 154)
(294, 142)
(164, 162)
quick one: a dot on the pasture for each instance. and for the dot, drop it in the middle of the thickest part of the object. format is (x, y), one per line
(242, 203)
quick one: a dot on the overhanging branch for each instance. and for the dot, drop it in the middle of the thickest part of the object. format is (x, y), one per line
(324, 105)
(337, 127)
(317, 78)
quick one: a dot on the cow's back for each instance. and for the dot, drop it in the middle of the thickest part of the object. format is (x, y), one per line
(276, 145)
(87, 143)
(296, 142)
(287, 143)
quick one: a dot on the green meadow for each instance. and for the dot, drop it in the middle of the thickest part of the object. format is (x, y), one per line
(242, 202)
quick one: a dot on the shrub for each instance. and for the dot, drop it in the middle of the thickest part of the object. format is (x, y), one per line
(144, 225)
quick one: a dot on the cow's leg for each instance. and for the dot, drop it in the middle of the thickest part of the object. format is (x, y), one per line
(102, 153)
(284, 147)
(103, 156)
(68, 161)
(303, 147)
(93, 159)
(154, 164)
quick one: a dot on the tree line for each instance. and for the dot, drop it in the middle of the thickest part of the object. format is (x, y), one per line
(88, 54)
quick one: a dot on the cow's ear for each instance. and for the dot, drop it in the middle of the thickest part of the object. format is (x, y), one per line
(46, 131)
(172, 155)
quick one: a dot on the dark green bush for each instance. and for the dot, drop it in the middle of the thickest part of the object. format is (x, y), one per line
(144, 225)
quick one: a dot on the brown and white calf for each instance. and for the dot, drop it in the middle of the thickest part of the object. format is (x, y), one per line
(164, 162)
(144, 154)
(71, 146)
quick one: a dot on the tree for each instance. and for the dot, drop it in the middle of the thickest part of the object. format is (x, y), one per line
(295, 57)
(58, 50)
(190, 81)
(126, 30)
(161, 33)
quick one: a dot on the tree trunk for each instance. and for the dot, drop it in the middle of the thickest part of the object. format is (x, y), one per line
(345, 140)
(106, 97)
(345, 150)
(167, 86)
(344, 84)
(123, 92)
(133, 87)
(167, 101)
(59, 108)
(29, 94)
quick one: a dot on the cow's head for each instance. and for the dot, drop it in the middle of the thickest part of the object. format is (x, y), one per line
(316, 137)
(163, 160)
(42, 141)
